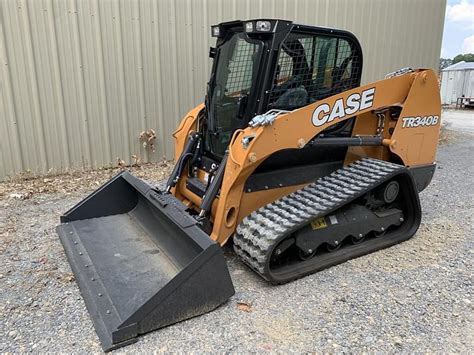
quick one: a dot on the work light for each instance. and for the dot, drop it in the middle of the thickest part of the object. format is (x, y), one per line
(215, 31)
(248, 27)
(263, 26)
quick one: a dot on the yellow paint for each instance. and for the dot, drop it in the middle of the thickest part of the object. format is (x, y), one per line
(319, 223)
(416, 93)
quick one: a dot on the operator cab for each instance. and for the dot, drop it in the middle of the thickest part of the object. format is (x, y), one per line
(261, 65)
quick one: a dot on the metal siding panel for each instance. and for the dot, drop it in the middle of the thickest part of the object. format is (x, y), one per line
(150, 95)
(71, 69)
(469, 83)
(12, 160)
(459, 82)
(84, 77)
(93, 82)
(24, 87)
(184, 60)
(114, 78)
(133, 76)
(188, 50)
(444, 88)
(154, 78)
(169, 72)
(49, 87)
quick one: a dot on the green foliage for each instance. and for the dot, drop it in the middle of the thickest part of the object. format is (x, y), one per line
(469, 57)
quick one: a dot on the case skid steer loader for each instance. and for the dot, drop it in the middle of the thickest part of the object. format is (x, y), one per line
(288, 156)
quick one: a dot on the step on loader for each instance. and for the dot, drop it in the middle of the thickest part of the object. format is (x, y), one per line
(289, 157)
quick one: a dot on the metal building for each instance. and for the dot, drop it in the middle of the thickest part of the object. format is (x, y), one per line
(80, 79)
(457, 80)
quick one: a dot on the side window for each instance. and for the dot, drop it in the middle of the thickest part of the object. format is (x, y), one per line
(284, 68)
(293, 72)
(312, 67)
(344, 60)
(294, 58)
(324, 63)
(241, 69)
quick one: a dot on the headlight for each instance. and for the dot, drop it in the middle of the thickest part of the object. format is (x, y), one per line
(264, 26)
(248, 27)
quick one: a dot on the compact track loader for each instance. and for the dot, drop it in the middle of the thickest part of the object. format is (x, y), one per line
(288, 156)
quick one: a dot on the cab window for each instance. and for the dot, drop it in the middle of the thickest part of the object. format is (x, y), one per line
(312, 67)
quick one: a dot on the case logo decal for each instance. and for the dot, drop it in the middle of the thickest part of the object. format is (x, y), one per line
(354, 103)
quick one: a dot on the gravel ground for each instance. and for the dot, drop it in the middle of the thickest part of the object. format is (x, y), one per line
(459, 120)
(413, 297)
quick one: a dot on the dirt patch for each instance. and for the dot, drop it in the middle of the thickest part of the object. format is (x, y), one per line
(278, 330)
(25, 185)
(446, 136)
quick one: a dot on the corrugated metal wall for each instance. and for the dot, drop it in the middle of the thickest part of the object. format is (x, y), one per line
(80, 79)
(456, 83)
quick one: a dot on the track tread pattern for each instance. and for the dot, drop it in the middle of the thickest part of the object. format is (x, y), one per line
(257, 234)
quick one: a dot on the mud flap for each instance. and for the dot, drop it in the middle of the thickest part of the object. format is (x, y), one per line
(140, 260)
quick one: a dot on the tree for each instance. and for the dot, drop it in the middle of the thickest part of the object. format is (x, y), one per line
(469, 57)
(444, 63)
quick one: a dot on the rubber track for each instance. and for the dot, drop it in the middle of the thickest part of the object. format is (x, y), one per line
(260, 231)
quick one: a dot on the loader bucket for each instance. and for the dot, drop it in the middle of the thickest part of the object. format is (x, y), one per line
(140, 260)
